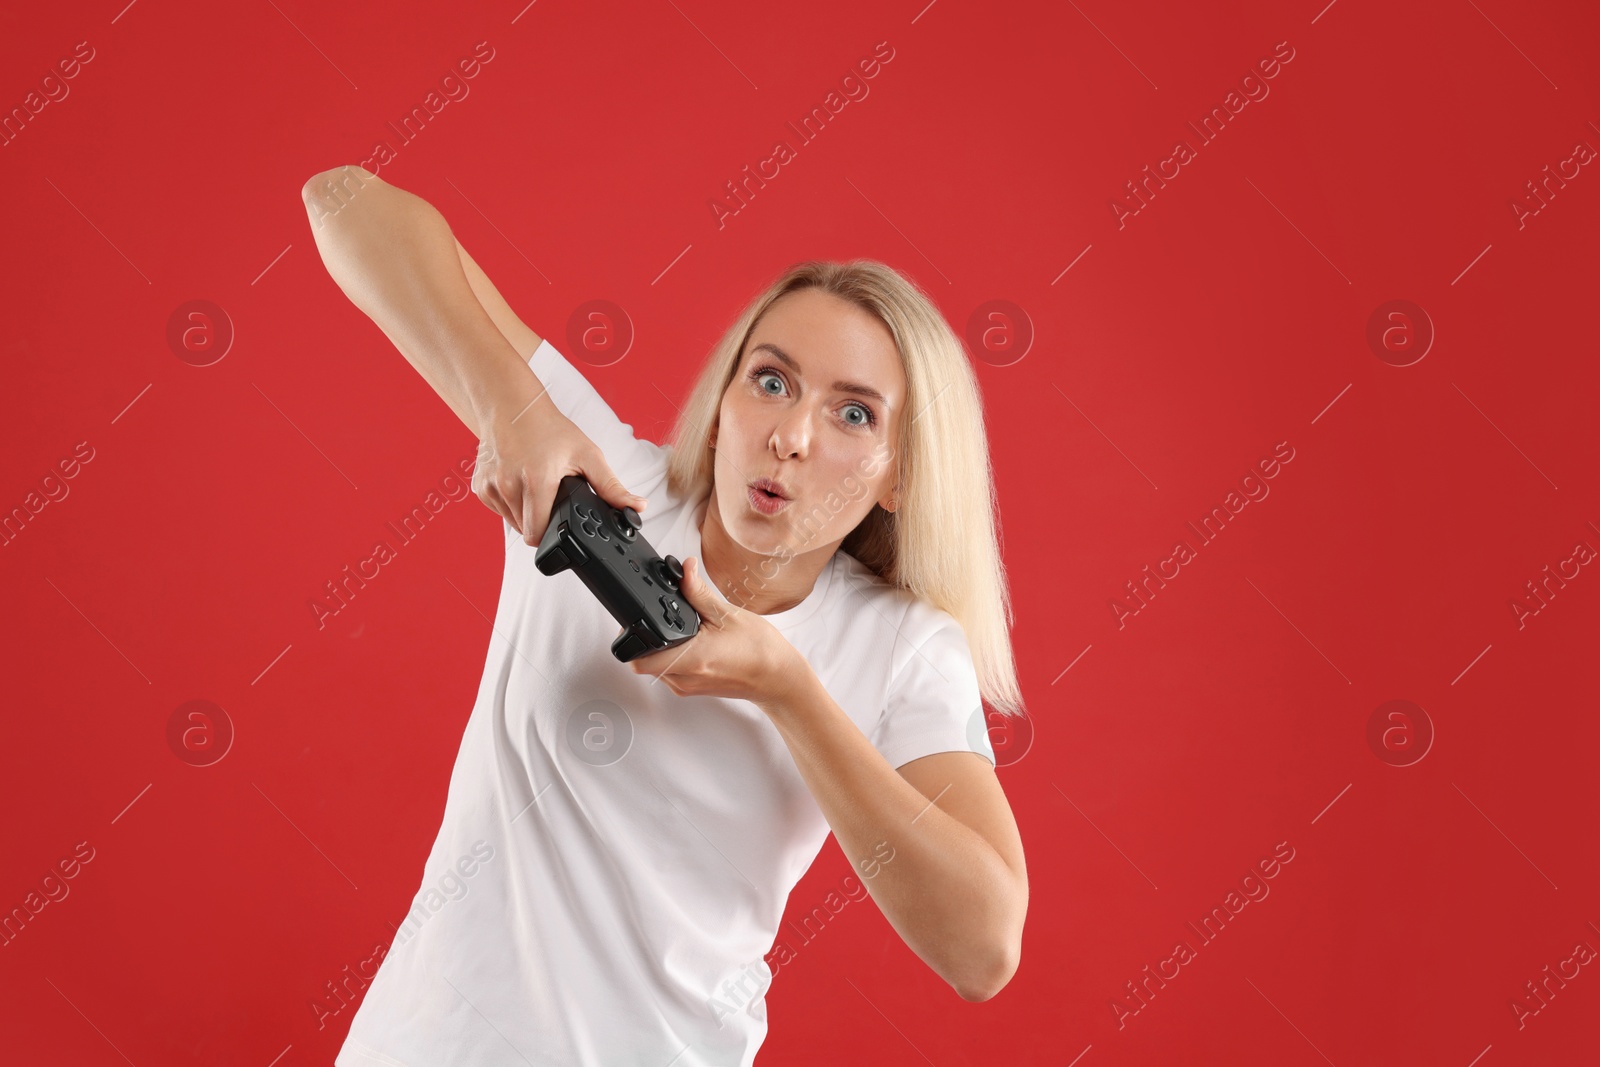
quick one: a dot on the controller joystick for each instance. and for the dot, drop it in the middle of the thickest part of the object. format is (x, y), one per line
(628, 522)
(605, 547)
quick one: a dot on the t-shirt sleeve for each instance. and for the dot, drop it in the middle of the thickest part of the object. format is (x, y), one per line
(933, 701)
(637, 462)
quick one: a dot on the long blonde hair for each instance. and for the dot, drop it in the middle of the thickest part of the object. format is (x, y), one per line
(941, 542)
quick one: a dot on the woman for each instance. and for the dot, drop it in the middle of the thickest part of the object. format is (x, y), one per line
(619, 840)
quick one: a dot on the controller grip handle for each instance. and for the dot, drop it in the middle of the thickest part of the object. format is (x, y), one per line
(564, 553)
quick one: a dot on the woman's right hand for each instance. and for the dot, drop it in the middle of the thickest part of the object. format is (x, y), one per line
(522, 458)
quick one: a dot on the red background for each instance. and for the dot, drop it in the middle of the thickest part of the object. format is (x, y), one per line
(1230, 314)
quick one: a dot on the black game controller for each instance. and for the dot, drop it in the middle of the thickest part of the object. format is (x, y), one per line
(604, 546)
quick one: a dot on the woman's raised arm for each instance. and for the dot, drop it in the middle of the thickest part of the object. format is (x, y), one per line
(394, 256)
(396, 259)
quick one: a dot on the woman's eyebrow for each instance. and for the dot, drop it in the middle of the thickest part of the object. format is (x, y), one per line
(843, 387)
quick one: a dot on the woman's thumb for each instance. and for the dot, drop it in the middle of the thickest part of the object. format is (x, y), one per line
(610, 489)
(701, 593)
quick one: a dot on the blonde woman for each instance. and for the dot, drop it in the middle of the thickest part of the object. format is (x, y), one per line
(619, 840)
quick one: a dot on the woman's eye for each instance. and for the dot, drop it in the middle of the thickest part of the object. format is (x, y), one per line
(763, 375)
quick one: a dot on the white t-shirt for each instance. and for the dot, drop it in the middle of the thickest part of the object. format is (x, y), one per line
(614, 859)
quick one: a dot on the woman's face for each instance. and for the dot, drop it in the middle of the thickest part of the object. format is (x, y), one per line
(799, 411)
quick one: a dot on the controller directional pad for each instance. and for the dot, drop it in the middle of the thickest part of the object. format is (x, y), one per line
(669, 611)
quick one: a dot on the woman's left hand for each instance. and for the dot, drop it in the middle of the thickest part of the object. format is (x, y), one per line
(736, 653)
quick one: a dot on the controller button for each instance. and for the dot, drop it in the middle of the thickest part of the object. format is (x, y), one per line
(672, 569)
(588, 528)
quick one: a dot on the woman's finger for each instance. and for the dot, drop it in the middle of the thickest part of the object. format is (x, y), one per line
(496, 503)
(532, 522)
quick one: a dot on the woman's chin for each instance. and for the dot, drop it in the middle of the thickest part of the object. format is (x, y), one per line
(758, 534)
(755, 532)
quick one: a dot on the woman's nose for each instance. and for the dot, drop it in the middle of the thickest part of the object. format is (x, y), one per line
(792, 435)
